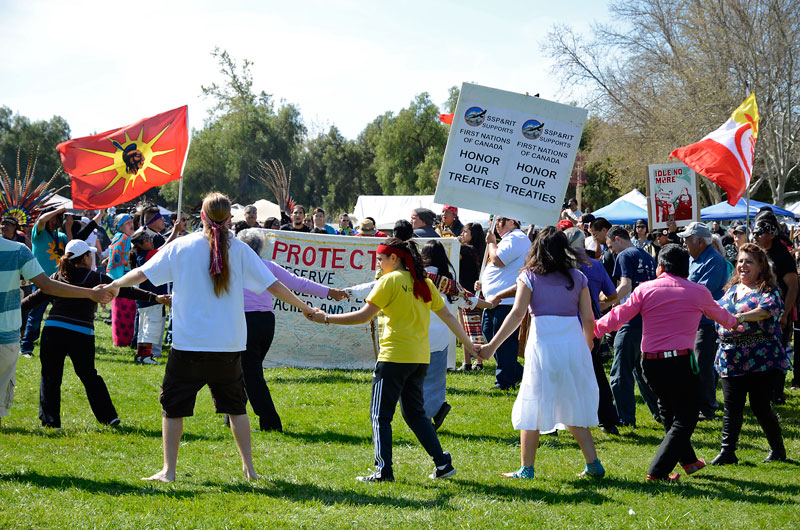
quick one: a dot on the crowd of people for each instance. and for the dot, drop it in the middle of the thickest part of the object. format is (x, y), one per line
(677, 310)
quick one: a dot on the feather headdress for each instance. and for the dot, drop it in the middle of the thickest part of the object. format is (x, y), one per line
(18, 196)
(275, 177)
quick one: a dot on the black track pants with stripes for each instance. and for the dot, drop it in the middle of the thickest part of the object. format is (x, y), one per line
(400, 381)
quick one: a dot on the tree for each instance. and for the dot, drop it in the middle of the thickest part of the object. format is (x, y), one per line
(410, 149)
(242, 128)
(667, 73)
(19, 133)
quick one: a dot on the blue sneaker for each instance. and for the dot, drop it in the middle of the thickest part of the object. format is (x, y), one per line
(526, 472)
(593, 469)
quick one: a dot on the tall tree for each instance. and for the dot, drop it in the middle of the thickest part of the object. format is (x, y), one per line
(242, 128)
(667, 73)
(410, 149)
(20, 133)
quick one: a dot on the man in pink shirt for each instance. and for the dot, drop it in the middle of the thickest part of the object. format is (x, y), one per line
(671, 307)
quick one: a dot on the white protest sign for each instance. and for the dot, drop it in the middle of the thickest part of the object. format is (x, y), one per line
(671, 195)
(509, 154)
(336, 262)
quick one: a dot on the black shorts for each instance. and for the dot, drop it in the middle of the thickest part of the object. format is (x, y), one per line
(189, 371)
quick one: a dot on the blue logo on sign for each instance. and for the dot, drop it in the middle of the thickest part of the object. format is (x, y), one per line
(475, 116)
(532, 129)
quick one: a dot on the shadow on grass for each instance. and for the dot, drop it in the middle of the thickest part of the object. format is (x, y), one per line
(108, 487)
(532, 493)
(366, 495)
(330, 377)
(329, 437)
(124, 429)
(708, 485)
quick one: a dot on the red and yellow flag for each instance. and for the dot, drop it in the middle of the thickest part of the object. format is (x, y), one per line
(725, 156)
(116, 166)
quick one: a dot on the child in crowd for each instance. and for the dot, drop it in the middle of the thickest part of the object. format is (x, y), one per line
(406, 298)
(151, 315)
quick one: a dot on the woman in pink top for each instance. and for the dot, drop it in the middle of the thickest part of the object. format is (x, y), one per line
(260, 316)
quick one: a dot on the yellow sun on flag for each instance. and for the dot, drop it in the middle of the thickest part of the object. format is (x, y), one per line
(127, 170)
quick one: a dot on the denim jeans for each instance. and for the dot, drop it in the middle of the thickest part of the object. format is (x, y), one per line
(509, 371)
(434, 387)
(33, 326)
(705, 350)
(627, 368)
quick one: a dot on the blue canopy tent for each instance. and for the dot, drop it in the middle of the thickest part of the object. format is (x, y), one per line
(621, 212)
(723, 211)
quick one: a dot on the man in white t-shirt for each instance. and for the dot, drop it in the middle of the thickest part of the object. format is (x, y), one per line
(506, 258)
(571, 212)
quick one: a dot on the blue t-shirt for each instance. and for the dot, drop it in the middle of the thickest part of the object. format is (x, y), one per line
(638, 266)
(48, 247)
(598, 281)
(710, 268)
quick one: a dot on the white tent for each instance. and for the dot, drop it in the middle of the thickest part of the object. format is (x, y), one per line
(265, 209)
(387, 209)
(59, 200)
(794, 207)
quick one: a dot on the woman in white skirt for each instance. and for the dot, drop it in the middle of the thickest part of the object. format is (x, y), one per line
(558, 388)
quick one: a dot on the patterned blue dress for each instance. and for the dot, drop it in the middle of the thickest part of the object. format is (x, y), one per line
(751, 346)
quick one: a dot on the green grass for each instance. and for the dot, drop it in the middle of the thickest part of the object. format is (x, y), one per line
(88, 475)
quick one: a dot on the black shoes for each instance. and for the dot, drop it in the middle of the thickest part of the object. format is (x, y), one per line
(610, 429)
(444, 471)
(439, 417)
(775, 456)
(377, 476)
(724, 458)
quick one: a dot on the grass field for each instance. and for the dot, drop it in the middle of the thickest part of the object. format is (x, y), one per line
(88, 475)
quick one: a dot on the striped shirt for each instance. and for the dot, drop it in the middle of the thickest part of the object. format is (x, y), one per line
(15, 260)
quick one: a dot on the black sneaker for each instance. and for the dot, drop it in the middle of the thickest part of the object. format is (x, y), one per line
(438, 419)
(444, 471)
(27, 354)
(377, 476)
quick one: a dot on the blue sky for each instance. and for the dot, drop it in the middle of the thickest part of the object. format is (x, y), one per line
(102, 65)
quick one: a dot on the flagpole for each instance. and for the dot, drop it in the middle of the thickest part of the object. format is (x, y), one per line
(747, 219)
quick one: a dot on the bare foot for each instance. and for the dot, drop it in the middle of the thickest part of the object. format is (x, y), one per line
(161, 476)
(250, 474)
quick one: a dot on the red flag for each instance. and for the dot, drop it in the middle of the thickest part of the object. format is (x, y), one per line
(446, 118)
(725, 156)
(119, 165)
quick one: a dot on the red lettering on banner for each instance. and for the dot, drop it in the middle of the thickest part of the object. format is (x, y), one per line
(352, 259)
(374, 254)
(279, 247)
(336, 261)
(324, 251)
(309, 261)
(294, 250)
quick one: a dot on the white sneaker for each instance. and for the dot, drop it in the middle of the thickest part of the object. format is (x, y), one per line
(149, 360)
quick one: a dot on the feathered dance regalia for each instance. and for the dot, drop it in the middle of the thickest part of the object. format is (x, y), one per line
(18, 197)
(275, 177)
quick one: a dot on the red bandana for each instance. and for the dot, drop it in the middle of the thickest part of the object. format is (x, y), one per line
(420, 286)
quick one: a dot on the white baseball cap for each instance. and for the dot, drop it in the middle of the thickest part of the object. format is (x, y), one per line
(78, 247)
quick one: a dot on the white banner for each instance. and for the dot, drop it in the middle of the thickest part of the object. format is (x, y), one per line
(510, 154)
(337, 262)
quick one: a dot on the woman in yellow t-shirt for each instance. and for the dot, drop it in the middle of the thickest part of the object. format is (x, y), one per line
(406, 298)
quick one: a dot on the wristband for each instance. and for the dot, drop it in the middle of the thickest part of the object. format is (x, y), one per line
(326, 319)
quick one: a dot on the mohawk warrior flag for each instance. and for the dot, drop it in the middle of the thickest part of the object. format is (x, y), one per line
(119, 165)
(725, 156)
